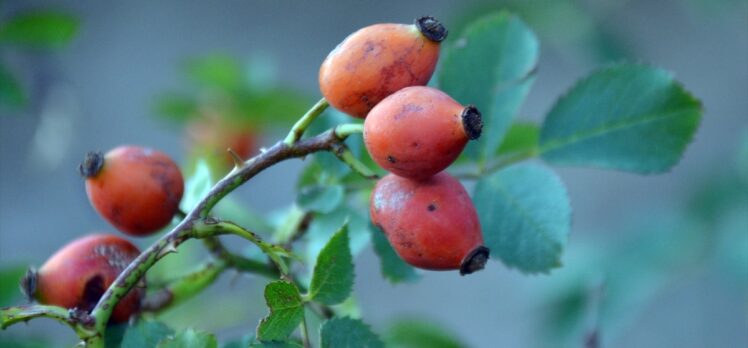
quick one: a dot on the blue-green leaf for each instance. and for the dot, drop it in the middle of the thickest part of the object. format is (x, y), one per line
(491, 65)
(627, 117)
(348, 333)
(526, 216)
(286, 311)
(189, 338)
(521, 137)
(145, 333)
(39, 29)
(320, 198)
(332, 281)
(392, 266)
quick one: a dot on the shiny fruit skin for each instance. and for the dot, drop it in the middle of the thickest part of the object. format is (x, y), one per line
(137, 189)
(375, 62)
(78, 274)
(416, 132)
(431, 224)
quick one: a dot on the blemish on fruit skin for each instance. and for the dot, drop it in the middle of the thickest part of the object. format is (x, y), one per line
(431, 207)
(387, 199)
(391, 159)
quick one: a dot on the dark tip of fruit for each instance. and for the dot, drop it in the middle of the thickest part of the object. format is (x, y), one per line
(431, 28)
(91, 164)
(475, 260)
(472, 122)
(28, 283)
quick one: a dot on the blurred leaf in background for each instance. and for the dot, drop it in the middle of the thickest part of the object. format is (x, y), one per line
(40, 29)
(572, 27)
(10, 276)
(43, 29)
(230, 103)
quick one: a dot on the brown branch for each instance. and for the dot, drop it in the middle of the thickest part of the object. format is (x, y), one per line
(279, 152)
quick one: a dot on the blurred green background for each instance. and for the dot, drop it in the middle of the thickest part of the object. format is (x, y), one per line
(654, 261)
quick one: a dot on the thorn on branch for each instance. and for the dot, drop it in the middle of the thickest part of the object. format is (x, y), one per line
(170, 248)
(238, 161)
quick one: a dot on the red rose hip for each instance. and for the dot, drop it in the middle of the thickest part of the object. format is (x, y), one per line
(136, 189)
(379, 60)
(78, 274)
(432, 224)
(419, 131)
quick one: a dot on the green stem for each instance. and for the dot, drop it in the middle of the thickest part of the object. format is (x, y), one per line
(342, 131)
(298, 129)
(344, 154)
(238, 262)
(17, 314)
(185, 287)
(135, 271)
(212, 227)
(305, 332)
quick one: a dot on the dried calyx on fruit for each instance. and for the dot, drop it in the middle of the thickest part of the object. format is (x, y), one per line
(379, 60)
(136, 189)
(431, 224)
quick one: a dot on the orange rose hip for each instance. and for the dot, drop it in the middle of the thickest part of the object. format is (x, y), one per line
(431, 224)
(419, 131)
(379, 60)
(78, 274)
(136, 189)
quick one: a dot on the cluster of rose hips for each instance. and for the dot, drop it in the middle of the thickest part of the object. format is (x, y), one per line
(415, 132)
(138, 191)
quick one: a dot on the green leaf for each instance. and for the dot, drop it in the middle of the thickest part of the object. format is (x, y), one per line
(190, 338)
(286, 311)
(25, 342)
(11, 93)
(39, 29)
(416, 333)
(319, 198)
(526, 217)
(393, 268)
(491, 65)
(175, 107)
(628, 117)
(217, 71)
(324, 226)
(521, 137)
(243, 342)
(275, 344)
(333, 274)
(114, 335)
(10, 276)
(348, 333)
(197, 186)
(145, 333)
